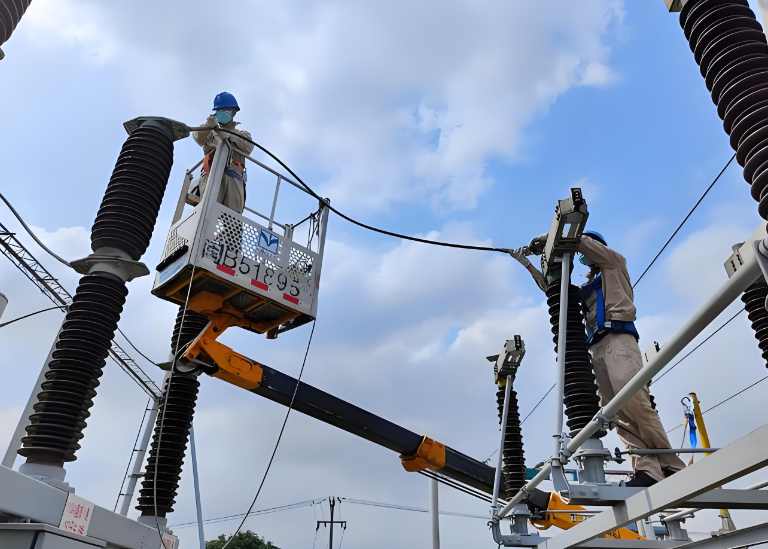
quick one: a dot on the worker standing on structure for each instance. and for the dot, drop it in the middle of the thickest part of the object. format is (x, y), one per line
(610, 313)
(232, 193)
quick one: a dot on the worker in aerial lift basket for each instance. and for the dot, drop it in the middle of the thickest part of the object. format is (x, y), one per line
(610, 313)
(232, 192)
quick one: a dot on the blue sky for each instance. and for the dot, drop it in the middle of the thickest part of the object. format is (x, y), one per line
(465, 123)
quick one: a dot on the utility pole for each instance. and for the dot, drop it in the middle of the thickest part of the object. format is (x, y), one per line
(332, 502)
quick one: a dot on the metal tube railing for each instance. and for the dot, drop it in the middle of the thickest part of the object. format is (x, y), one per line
(264, 217)
(727, 293)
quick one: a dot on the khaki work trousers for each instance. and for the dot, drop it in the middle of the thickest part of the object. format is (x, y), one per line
(616, 359)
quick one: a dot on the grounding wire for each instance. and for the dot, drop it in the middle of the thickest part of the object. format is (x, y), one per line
(22, 317)
(279, 436)
(130, 458)
(685, 219)
(699, 345)
(352, 220)
(31, 233)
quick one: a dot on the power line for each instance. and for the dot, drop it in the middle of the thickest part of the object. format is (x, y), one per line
(699, 345)
(728, 398)
(31, 233)
(279, 435)
(399, 507)
(22, 317)
(135, 348)
(352, 220)
(685, 219)
(257, 512)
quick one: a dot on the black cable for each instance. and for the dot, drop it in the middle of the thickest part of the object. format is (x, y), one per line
(344, 216)
(32, 234)
(699, 345)
(4, 324)
(279, 437)
(727, 399)
(685, 219)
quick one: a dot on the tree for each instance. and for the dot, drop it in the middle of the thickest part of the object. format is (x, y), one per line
(243, 540)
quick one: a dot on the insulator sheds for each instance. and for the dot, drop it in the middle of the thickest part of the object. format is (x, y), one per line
(129, 209)
(11, 12)
(169, 440)
(186, 329)
(165, 460)
(512, 453)
(581, 400)
(730, 48)
(754, 302)
(76, 365)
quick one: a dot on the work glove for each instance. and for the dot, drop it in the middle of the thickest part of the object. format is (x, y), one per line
(536, 247)
(520, 255)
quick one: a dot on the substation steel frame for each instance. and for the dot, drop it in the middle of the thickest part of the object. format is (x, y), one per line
(697, 485)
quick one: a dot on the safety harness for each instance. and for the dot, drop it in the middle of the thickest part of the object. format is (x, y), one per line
(598, 328)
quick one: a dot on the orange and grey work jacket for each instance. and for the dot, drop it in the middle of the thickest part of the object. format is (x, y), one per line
(608, 299)
(240, 147)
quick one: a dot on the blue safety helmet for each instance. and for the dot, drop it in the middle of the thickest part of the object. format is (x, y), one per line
(596, 236)
(225, 100)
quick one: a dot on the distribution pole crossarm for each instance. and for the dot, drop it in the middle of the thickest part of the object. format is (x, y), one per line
(727, 293)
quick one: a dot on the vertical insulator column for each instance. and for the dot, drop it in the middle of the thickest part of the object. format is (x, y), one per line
(11, 12)
(754, 302)
(730, 48)
(581, 400)
(512, 453)
(119, 237)
(169, 441)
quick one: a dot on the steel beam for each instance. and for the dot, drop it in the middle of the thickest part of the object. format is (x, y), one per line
(610, 543)
(608, 495)
(744, 537)
(736, 460)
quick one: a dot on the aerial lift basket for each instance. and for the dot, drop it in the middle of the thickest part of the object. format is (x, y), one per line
(216, 258)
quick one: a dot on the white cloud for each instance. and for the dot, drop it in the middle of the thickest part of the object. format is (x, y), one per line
(385, 103)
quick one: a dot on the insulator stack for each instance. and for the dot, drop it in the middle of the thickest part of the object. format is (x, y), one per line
(128, 212)
(76, 365)
(581, 400)
(754, 302)
(169, 440)
(11, 12)
(513, 456)
(730, 48)
(122, 229)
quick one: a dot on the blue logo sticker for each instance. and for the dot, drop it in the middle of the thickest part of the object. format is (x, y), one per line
(269, 241)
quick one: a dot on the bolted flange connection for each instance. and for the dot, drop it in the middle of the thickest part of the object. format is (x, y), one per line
(122, 231)
(581, 400)
(169, 441)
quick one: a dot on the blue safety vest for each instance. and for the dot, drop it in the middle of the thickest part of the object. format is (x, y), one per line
(599, 327)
